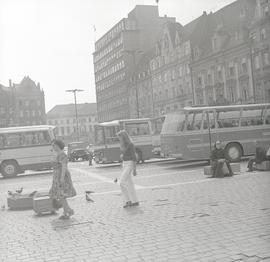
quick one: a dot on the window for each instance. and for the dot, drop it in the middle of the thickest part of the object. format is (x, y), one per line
(231, 70)
(200, 80)
(30, 139)
(111, 134)
(252, 117)
(63, 131)
(67, 121)
(197, 121)
(266, 10)
(228, 119)
(244, 66)
(137, 129)
(266, 58)
(68, 130)
(220, 74)
(13, 140)
(263, 34)
(209, 78)
(208, 117)
(257, 62)
(2, 141)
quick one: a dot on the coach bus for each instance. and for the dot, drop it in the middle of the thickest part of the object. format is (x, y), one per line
(191, 133)
(25, 148)
(107, 147)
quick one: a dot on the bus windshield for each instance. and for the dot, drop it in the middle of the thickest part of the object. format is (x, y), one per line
(173, 123)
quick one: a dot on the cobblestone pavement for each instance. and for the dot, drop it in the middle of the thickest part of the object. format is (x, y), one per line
(183, 216)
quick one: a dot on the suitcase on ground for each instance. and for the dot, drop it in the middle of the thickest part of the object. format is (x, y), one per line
(20, 202)
(43, 205)
(263, 166)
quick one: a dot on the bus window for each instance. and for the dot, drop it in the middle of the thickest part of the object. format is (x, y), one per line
(267, 117)
(43, 137)
(99, 135)
(197, 122)
(137, 129)
(210, 118)
(110, 134)
(157, 125)
(189, 121)
(2, 141)
(252, 117)
(14, 140)
(173, 123)
(29, 139)
(228, 119)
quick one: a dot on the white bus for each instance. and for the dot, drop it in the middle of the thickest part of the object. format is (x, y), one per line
(25, 148)
(191, 133)
(107, 148)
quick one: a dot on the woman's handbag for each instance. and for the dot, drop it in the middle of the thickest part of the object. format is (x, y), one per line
(56, 203)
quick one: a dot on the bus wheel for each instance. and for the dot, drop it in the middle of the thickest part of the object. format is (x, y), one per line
(9, 169)
(233, 152)
(139, 156)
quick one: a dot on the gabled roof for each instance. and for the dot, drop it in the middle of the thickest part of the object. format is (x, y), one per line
(68, 110)
(27, 85)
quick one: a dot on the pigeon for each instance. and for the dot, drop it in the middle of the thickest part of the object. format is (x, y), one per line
(33, 193)
(19, 191)
(115, 180)
(88, 199)
(10, 193)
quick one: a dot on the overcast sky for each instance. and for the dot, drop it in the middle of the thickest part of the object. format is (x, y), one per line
(52, 41)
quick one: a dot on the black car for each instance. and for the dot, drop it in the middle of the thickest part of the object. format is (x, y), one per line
(77, 154)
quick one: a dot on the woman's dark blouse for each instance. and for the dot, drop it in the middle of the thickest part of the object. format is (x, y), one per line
(129, 153)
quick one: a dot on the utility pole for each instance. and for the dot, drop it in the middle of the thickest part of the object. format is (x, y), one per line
(74, 91)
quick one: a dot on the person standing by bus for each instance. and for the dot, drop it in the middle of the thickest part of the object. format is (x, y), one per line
(218, 160)
(62, 187)
(129, 159)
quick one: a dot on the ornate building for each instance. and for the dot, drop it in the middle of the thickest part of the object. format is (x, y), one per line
(63, 117)
(22, 104)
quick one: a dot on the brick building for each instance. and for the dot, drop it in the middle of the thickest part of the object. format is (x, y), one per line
(63, 117)
(22, 104)
(116, 56)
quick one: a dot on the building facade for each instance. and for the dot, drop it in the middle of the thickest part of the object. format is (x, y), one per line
(219, 58)
(260, 37)
(63, 117)
(22, 104)
(116, 56)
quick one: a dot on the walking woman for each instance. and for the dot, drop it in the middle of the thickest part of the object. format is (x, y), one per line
(129, 168)
(62, 187)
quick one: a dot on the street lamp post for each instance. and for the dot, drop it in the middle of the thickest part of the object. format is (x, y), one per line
(74, 91)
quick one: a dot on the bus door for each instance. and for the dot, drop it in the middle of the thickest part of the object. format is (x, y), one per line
(112, 146)
(209, 132)
(194, 137)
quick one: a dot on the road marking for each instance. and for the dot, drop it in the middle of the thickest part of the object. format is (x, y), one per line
(99, 177)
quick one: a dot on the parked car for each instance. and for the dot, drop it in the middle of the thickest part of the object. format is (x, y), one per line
(77, 154)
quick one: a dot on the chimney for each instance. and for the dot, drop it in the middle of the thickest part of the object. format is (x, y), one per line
(38, 85)
(10, 83)
(204, 13)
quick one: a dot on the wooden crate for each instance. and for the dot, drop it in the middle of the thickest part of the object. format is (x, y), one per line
(235, 168)
(264, 166)
(20, 202)
(43, 205)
